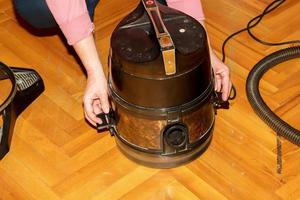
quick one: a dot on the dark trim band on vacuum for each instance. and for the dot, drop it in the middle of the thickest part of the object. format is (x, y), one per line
(163, 112)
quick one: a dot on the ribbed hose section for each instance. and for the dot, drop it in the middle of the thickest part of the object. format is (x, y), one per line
(262, 110)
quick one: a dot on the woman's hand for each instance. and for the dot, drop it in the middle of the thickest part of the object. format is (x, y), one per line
(95, 100)
(222, 76)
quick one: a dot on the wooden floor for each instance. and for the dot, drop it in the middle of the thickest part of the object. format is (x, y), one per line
(56, 155)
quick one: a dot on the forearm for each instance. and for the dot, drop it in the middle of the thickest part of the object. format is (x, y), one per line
(87, 52)
(190, 7)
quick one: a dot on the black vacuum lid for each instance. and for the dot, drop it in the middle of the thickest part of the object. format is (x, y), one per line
(135, 45)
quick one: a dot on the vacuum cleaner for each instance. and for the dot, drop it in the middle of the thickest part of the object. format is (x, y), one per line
(162, 87)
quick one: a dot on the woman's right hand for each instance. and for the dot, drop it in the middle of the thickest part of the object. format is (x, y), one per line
(95, 100)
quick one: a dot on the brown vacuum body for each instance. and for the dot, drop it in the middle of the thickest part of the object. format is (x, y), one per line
(161, 84)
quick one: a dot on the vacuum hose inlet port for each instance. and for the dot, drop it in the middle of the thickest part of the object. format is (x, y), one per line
(175, 137)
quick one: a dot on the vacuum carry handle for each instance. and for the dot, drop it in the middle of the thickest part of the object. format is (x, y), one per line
(164, 39)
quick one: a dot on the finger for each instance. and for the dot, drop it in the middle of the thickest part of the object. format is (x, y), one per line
(89, 112)
(218, 83)
(97, 106)
(97, 110)
(89, 119)
(225, 86)
(229, 89)
(104, 103)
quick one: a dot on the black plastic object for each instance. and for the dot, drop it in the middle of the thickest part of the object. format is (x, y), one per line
(259, 106)
(108, 122)
(219, 103)
(27, 85)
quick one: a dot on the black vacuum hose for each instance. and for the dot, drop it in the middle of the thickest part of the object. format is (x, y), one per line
(262, 110)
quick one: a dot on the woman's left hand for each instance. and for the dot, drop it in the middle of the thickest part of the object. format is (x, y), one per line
(223, 83)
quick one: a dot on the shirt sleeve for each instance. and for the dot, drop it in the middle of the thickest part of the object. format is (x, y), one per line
(73, 18)
(190, 7)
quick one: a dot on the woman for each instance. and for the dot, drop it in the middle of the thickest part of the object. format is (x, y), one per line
(71, 14)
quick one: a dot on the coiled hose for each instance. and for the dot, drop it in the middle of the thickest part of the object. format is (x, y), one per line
(262, 110)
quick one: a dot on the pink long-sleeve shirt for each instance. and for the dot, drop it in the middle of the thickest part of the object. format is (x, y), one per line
(73, 18)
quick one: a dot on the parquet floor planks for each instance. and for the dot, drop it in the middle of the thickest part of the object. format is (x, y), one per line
(55, 154)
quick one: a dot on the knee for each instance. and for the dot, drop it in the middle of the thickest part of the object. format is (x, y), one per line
(35, 12)
(19, 6)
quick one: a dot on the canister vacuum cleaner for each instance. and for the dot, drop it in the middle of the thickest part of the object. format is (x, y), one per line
(162, 87)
